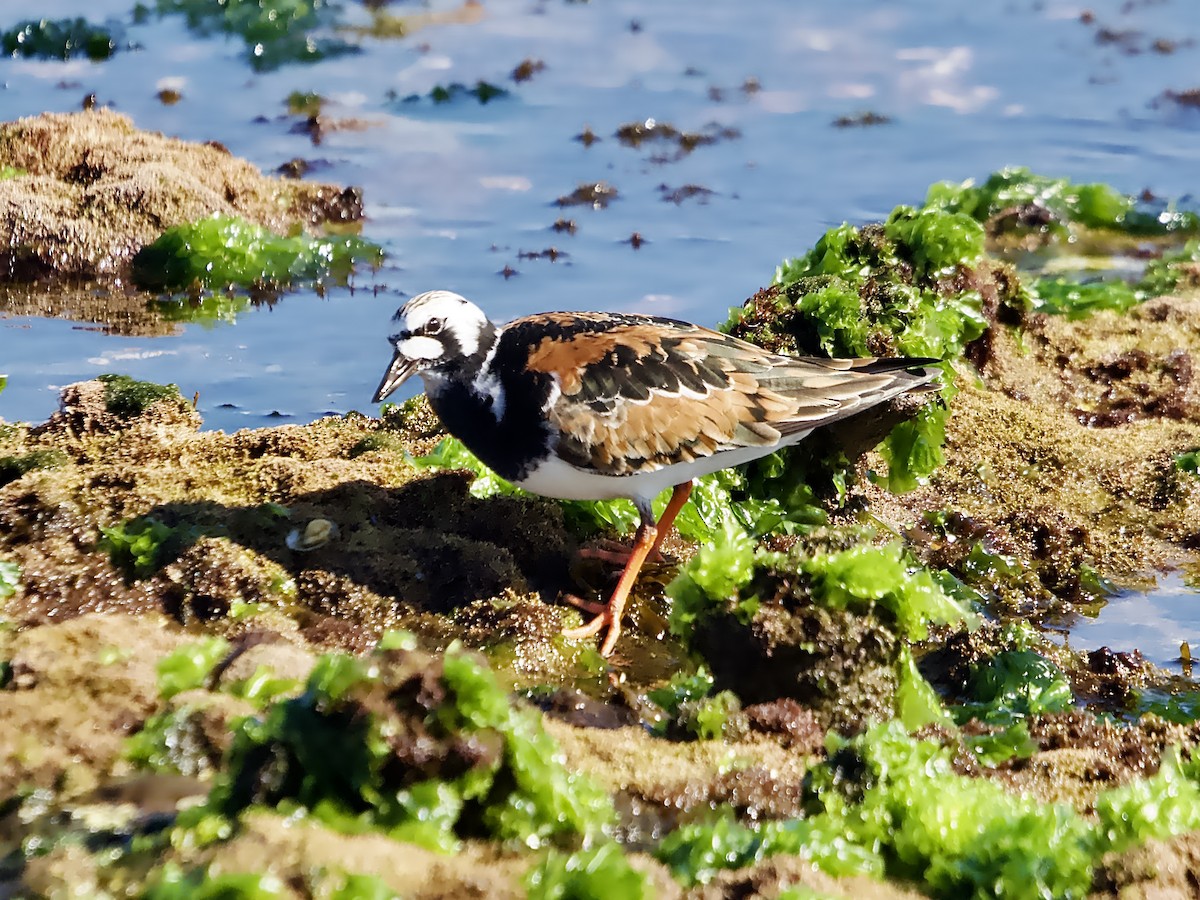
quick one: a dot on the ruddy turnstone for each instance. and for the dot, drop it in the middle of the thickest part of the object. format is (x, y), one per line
(593, 405)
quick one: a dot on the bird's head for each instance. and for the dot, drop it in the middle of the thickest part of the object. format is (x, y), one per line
(440, 332)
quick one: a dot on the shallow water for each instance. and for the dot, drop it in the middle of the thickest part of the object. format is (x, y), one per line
(1156, 622)
(458, 191)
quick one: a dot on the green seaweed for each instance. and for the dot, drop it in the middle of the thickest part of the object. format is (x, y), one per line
(13, 467)
(10, 578)
(1173, 270)
(207, 310)
(719, 578)
(189, 666)
(956, 836)
(1078, 300)
(58, 39)
(8, 172)
(262, 687)
(143, 545)
(224, 252)
(598, 873)
(1013, 685)
(713, 580)
(1095, 206)
(865, 576)
(172, 741)
(885, 803)
(887, 289)
(917, 703)
(128, 398)
(1161, 806)
(982, 564)
(482, 91)
(171, 882)
(784, 491)
(913, 450)
(995, 748)
(729, 576)
(1189, 462)
(697, 851)
(862, 288)
(135, 545)
(355, 886)
(911, 286)
(1181, 707)
(1092, 205)
(275, 32)
(803, 892)
(424, 749)
(691, 710)
(937, 243)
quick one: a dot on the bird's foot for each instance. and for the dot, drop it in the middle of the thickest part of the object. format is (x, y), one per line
(614, 553)
(590, 629)
(589, 606)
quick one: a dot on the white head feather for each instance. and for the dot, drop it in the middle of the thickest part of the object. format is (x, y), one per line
(428, 316)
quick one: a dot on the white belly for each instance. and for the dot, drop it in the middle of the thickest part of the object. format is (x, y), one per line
(561, 480)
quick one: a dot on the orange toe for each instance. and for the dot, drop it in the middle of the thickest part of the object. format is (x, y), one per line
(588, 630)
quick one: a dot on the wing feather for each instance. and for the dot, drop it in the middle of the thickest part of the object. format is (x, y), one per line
(639, 393)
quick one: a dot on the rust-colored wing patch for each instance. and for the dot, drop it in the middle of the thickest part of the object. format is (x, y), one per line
(639, 393)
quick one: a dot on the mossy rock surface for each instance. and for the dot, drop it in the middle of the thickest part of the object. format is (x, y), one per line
(840, 664)
(96, 189)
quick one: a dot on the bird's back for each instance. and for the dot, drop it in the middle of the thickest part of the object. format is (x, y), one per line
(637, 393)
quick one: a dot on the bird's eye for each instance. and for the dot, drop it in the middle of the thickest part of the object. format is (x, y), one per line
(433, 326)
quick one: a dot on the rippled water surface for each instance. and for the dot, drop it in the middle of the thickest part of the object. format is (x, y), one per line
(1157, 622)
(457, 192)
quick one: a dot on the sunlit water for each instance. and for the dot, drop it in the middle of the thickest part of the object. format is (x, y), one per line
(1155, 622)
(457, 192)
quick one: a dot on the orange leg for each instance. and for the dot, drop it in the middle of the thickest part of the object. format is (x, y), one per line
(679, 496)
(649, 537)
(617, 554)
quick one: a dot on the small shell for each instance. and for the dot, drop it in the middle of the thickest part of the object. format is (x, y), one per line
(316, 533)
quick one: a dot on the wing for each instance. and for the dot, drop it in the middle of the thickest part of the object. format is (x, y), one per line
(638, 393)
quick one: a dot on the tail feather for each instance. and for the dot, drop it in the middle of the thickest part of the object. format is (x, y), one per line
(904, 376)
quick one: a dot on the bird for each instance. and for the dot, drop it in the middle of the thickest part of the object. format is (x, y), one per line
(602, 405)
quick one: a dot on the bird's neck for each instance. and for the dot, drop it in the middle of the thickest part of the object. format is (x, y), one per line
(464, 367)
(495, 409)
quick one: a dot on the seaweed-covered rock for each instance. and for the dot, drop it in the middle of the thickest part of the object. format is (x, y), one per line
(95, 189)
(214, 573)
(77, 689)
(841, 663)
(114, 402)
(1116, 368)
(15, 466)
(821, 627)
(424, 748)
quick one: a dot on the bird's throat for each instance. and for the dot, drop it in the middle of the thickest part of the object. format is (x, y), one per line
(506, 438)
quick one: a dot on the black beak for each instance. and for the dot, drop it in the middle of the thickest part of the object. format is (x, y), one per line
(397, 373)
